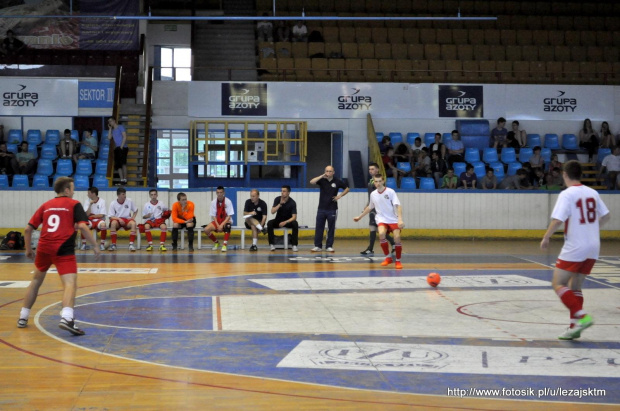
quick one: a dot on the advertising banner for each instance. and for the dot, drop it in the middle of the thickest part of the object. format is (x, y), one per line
(461, 101)
(23, 96)
(244, 99)
(96, 94)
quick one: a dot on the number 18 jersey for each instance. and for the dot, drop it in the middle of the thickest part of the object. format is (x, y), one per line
(580, 208)
(58, 216)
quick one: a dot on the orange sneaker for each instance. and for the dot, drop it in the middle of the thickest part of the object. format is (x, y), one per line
(387, 261)
(399, 266)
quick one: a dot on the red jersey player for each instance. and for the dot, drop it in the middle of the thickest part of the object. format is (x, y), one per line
(582, 211)
(59, 217)
(220, 212)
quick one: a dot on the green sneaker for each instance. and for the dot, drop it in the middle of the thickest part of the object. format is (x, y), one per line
(584, 322)
(569, 334)
(215, 246)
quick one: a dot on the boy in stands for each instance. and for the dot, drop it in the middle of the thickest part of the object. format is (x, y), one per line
(154, 213)
(582, 211)
(96, 212)
(122, 214)
(389, 218)
(221, 212)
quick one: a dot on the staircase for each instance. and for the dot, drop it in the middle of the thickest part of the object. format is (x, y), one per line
(132, 117)
(590, 176)
(219, 47)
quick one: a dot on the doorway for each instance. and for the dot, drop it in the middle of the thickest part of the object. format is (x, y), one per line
(324, 148)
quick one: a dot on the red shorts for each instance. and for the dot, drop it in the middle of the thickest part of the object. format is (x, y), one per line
(94, 223)
(122, 221)
(580, 267)
(390, 227)
(65, 264)
(155, 223)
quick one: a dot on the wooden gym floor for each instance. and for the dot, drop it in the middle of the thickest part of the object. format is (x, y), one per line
(283, 330)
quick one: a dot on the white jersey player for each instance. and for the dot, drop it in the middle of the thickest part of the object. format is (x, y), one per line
(96, 211)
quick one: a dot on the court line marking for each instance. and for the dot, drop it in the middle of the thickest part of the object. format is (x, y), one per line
(588, 277)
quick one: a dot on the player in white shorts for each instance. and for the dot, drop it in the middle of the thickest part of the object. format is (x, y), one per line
(582, 211)
(389, 218)
(96, 211)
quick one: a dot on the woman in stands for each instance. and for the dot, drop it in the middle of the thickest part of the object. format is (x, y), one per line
(588, 138)
(607, 138)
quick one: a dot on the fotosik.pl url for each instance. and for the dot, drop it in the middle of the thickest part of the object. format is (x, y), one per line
(526, 392)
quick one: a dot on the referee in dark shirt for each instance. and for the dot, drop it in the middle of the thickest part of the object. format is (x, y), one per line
(328, 208)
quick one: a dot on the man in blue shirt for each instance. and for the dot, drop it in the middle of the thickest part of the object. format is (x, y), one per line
(118, 133)
(328, 208)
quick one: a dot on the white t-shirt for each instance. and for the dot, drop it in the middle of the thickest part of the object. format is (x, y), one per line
(228, 207)
(124, 210)
(383, 203)
(580, 208)
(611, 162)
(97, 208)
(156, 209)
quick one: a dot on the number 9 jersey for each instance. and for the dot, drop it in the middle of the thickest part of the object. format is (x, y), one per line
(59, 217)
(580, 208)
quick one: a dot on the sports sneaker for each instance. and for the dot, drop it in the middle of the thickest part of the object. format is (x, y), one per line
(569, 334)
(150, 247)
(253, 248)
(272, 247)
(316, 250)
(295, 248)
(112, 247)
(162, 248)
(264, 230)
(102, 247)
(329, 250)
(399, 266)
(70, 326)
(22, 323)
(367, 252)
(174, 246)
(215, 246)
(387, 261)
(191, 249)
(84, 247)
(584, 322)
(131, 247)
(224, 248)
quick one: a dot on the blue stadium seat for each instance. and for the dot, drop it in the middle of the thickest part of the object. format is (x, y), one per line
(411, 138)
(570, 142)
(104, 152)
(40, 181)
(11, 148)
(489, 155)
(97, 135)
(404, 166)
(84, 167)
(378, 135)
(480, 169)
(473, 127)
(44, 167)
(390, 182)
(4, 181)
(81, 182)
(20, 181)
(446, 137)
(513, 167)
(546, 154)
(75, 135)
(64, 168)
(101, 167)
(459, 168)
(508, 155)
(14, 137)
(602, 153)
(429, 138)
(104, 136)
(498, 169)
(525, 154)
(552, 141)
(533, 140)
(408, 183)
(34, 138)
(100, 181)
(49, 151)
(472, 155)
(427, 183)
(52, 137)
(396, 138)
(33, 150)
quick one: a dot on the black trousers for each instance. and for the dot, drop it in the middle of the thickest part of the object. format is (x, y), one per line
(294, 226)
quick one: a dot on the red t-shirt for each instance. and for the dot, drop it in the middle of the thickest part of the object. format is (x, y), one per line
(58, 216)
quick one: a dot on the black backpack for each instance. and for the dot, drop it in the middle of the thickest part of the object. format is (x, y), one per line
(14, 240)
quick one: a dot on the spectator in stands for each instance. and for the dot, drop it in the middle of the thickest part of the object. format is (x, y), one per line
(450, 181)
(417, 146)
(283, 32)
(554, 179)
(402, 153)
(588, 138)
(519, 135)
(285, 209)
(6, 160)
(423, 164)
(438, 167)
(385, 144)
(455, 149)
(519, 181)
(2, 140)
(300, 32)
(489, 181)
(468, 178)
(183, 217)
(511, 141)
(11, 44)
(118, 133)
(255, 214)
(498, 134)
(24, 161)
(540, 179)
(66, 147)
(90, 146)
(611, 167)
(438, 146)
(607, 138)
(536, 160)
(264, 29)
(555, 163)
(390, 167)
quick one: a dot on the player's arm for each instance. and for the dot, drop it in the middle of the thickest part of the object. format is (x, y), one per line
(604, 219)
(344, 193)
(399, 213)
(366, 211)
(276, 206)
(553, 226)
(316, 179)
(124, 139)
(28, 240)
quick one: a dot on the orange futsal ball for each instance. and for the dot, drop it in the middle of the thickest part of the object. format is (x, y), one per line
(433, 279)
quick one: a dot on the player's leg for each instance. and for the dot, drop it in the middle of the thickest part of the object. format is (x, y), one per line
(271, 224)
(103, 233)
(563, 283)
(209, 229)
(67, 269)
(148, 235)
(226, 229)
(331, 216)
(294, 226)
(131, 227)
(398, 248)
(251, 224)
(319, 225)
(190, 233)
(372, 226)
(114, 226)
(33, 290)
(84, 247)
(162, 237)
(383, 230)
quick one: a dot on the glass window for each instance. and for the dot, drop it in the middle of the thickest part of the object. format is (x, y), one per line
(176, 63)
(173, 158)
